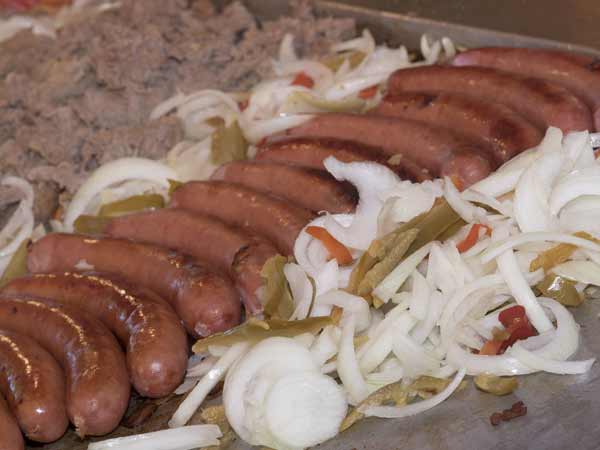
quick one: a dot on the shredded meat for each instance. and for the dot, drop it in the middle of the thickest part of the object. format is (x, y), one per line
(70, 104)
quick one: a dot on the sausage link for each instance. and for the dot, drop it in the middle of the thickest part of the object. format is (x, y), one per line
(506, 132)
(205, 301)
(10, 434)
(575, 72)
(312, 189)
(97, 381)
(439, 151)
(146, 325)
(207, 239)
(34, 386)
(311, 153)
(541, 102)
(240, 206)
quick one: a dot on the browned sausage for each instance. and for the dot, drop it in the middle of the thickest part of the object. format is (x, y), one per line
(206, 301)
(97, 381)
(441, 152)
(10, 434)
(276, 219)
(210, 240)
(34, 385)
(312, 152)
(309, 188)
(541, 102)
(146, 325)
(506, 132)
(575, 72)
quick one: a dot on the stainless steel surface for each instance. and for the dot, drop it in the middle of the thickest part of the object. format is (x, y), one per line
(563, 411)
(574, 21)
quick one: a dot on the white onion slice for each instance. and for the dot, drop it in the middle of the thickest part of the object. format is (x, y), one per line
(301, 288)
(371, 181)
(347, 365)
(396, 278)
(536, 362)
(195, 398)
(500, 365)
(468, 212)
(303, 409)
(509, 268)
(586, 272)
(183, 438)
(578, 183)
(419, 407)
(514, 241)
(113, 172)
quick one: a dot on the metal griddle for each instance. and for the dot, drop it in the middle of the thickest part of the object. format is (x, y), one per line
(563, 411)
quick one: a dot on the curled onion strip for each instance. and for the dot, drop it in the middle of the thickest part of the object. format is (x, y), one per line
(114, 172)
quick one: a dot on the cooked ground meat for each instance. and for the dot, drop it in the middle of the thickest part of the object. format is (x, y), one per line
(70, 104)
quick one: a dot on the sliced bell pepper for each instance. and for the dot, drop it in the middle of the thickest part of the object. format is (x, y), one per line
(335, 248)
(472, 237)
(302, 79)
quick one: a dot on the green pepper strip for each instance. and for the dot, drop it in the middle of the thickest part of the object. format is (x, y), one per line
(132, 204)
(251, 332)
(228, 144)
(560, 289)
(17, 266)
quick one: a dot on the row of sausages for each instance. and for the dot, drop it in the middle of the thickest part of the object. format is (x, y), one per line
(465, 118)
(159, 274)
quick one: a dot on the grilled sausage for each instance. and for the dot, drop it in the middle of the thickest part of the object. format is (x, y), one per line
(576, 73)
(543, 103)
(277, 220)
(209, 240)
(311, 153)
(146, 325)
(441, 152)
(34, 385)
(312, 189)
(205, 300)
(10, 434)
(97, 382)
(506, 132)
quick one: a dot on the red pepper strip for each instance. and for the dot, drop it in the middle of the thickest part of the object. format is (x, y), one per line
(472, 237)
(517, 325)
(303, 79)
(335, 248)
(512, 314)
(368, 93)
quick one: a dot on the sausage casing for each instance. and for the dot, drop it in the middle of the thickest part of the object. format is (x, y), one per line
(34, 385)
(240, 206)
(207, 239)
(146, 325)
(205, 301)
(97, 380)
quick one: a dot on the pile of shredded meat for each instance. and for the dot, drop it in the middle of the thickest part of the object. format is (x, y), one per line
(71, 103)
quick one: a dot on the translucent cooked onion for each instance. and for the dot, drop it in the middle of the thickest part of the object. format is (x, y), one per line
(183, 438)
(536, 362)
(514, 241)
(347, 365)
(192, 402)
(509, 268)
